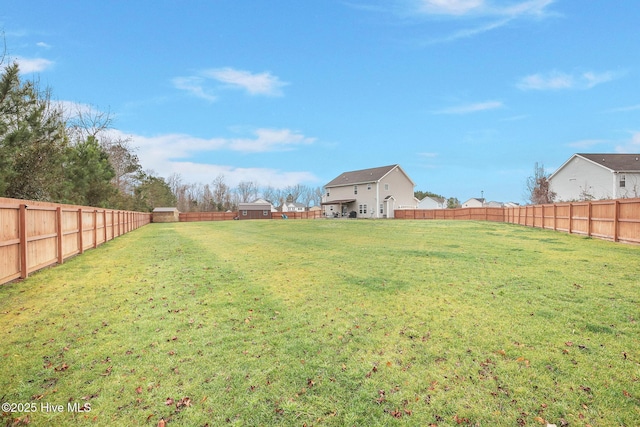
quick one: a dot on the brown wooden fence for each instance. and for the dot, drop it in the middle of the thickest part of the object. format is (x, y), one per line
(616, 220)
(477, 214)
(226, 216)
(34, 235)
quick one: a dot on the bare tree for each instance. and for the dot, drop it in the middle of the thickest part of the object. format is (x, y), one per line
(84, 122)
(247, 191)
(538, 186)
(221, 194)
(124, 161)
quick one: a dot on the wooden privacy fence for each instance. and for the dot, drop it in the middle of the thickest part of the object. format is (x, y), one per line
(34, 235)
(616, 220)
(226, 216)
(478, 214)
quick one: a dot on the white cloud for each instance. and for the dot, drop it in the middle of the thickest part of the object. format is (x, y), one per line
(32, 65)
(587, 143)
(43, 45)
(450, 7)
(428, 155)
(194, 86)
(490, 14)
(255, 84)
(270, 140)
(183, 154)
(478, 8)
(199, 85)
(625, 109)
(630, 146)
(557, 80)
(206, 173)
(471, 108)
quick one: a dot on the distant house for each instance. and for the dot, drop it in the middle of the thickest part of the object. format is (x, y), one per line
(370, 193)
(473, 202)
(273, 208)
(293, 207)
(597, 176)
(254, 210)
(432, 202)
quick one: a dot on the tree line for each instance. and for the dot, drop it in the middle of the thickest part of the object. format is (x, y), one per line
(49, 154)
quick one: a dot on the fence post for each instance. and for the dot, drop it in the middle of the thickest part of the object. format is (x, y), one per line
(589, 219)
(570, 217)
(60, 234)
(95, 228)
(616, 220)
(80, 236)
(104, 224)
(24, 268)
(555, 215)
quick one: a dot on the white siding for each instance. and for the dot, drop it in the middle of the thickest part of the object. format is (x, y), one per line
(580, 177)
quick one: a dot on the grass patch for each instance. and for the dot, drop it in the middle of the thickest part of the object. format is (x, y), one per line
(330, 323)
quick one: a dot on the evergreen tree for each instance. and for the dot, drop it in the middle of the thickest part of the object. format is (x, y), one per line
(33, 140)
(88, 174)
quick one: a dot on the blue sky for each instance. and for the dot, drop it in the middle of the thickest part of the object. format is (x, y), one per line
(466, 95)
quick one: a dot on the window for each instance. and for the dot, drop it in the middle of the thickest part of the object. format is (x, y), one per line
(244, 213)
(362, 209)
(355, 189)
(265, 213)
(327, 193)
(368, 186)
(622, 181)
(381, 208)
(386, 187)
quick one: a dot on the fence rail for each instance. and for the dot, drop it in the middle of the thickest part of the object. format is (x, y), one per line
(34, 235)
(616, 220)
(226, 216)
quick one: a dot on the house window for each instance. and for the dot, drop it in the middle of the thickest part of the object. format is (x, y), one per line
(265, 213)
(244, 213)
(622, 181)
(355, 189)
(327, 193)
(363, 209)
(381, 208)
(368, 186)
(386, 187)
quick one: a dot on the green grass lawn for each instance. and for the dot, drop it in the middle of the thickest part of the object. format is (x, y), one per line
(328, 323)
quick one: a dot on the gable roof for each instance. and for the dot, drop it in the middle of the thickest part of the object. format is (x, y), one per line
(612, 162)
(364, 176)
(615, 162)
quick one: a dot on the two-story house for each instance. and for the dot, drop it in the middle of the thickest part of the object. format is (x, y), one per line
(370, 193)
(597, 176)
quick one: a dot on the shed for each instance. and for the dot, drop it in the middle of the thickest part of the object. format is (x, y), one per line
(166, 215)
(254, 211)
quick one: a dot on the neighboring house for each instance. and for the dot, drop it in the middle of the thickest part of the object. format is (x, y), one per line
(493, 204)
(273, 208)
(370, 193)
(254, 210)
(430, 202)
(473, 202)
(596, 177)
(293, 207)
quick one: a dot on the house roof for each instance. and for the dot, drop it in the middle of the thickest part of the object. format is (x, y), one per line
(612, 162)
(615, 162)
(254, 206)
(364, 176)
(435, 199)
